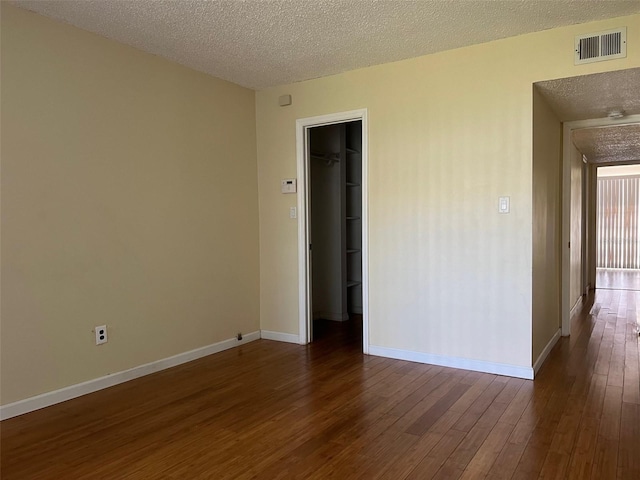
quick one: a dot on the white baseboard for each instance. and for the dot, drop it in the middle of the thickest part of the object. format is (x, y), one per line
(454, 362)
(280, 337)
(67, 393)
(576, 307)
(336, 317)
(546, 350)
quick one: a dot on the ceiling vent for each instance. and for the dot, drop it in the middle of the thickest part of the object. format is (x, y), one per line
(597, 47)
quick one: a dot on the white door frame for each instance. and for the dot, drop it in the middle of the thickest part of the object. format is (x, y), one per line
(567, 129)
(304, 284)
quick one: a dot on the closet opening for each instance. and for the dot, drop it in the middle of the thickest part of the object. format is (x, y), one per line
(335, 232)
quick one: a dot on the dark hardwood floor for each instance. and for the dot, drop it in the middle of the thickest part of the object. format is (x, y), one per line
(272, 410)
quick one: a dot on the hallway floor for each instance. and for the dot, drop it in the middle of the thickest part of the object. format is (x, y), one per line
(618, 279)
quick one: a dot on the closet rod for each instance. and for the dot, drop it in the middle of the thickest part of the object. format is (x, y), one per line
(329, 158)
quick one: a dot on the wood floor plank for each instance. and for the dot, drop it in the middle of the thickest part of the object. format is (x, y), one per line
(506, 462)
(629, 451)
(483, 460)
(475, 411)
(606, 451)
(631, 381)
(432, 462)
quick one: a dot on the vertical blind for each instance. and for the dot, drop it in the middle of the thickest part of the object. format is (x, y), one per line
(617, 224)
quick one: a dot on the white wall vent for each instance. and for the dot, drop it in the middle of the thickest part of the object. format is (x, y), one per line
(597, 47)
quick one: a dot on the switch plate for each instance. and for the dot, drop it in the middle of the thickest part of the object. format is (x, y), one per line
(293, 212)
(288, 185)
(504, 205)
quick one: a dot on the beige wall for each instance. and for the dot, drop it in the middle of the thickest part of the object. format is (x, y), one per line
(129, 198)
(448, 134)
(592, 196)
(547, 226)
(575, 226)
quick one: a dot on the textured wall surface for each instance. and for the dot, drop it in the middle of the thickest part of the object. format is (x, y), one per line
(129, 198)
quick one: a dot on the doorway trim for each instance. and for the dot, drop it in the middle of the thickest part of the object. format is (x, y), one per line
(304, 284)
(567, 129)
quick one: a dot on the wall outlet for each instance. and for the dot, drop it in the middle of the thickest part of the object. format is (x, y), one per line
(101, 334)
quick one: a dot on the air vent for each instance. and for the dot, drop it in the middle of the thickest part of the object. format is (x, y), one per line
(597, 47)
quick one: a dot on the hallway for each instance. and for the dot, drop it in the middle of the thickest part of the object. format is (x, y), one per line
(597, 423)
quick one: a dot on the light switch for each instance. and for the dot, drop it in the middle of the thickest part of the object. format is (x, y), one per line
(293, 212)
(504, 205)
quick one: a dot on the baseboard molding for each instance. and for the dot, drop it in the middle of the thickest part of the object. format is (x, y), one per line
(336, 317)
(67, 393)
(546, 350)
(280, 337)
(454, 362)
(576, 308)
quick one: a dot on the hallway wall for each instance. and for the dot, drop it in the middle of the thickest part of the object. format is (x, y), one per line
(575, 227)
(547, 226)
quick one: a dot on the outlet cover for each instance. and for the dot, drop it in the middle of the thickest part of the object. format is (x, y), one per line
(101, 334)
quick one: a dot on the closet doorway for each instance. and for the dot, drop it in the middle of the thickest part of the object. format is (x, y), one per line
(332, 227)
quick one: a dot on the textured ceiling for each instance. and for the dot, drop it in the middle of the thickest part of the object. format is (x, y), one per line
(593, 96)
(609, 144)
(264, 43)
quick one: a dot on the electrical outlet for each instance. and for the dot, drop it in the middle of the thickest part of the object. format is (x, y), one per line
(101, 334)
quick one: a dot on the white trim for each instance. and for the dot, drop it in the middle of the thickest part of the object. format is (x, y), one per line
(454, 362)
(304, 293)
(576, 307)
(365, 232)
(304, 307)
(567, 128)
(546, 350)
(67, 393)
(279, 336)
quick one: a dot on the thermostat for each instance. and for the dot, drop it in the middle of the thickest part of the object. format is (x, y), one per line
(288, 185)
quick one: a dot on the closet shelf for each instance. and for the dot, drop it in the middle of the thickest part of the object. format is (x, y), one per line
(353, 250)
(352, 184)
(353, 218)
(351, 151)
(353, 283)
